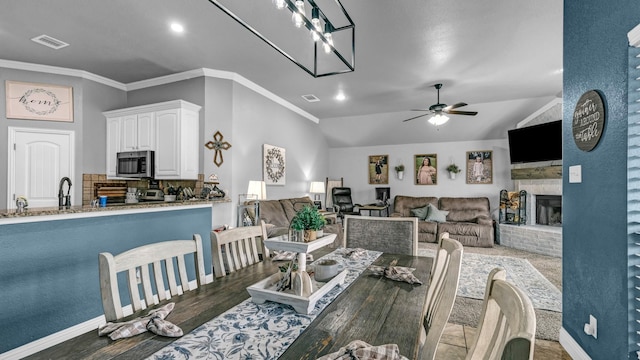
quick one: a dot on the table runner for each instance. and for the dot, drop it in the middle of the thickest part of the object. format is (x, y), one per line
(258, 331)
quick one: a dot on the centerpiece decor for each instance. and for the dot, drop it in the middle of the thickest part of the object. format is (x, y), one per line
(309, 220)
(453, 169)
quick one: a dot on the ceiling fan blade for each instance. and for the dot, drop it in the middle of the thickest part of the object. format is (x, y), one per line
(458, 112)
(415, 117)
(455, 106)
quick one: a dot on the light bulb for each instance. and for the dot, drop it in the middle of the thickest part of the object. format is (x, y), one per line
(279, 4)
(315, 21)
(297, 15)
(327, 45)
(439, 119)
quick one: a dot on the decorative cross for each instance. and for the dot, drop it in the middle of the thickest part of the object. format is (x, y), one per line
(218, 145)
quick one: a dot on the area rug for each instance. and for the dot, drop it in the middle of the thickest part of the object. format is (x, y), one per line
(476, 268)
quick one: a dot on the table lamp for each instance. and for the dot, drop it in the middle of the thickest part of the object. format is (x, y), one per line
(317, 188)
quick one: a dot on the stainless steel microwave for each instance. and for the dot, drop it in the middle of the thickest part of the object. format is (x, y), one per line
(135, 164)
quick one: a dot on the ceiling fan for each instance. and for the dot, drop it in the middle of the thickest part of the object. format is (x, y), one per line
(438, 109)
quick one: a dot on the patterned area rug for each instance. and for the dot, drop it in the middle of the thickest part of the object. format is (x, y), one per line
(476, 269)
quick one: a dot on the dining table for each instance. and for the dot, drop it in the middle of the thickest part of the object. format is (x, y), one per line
(371, 308)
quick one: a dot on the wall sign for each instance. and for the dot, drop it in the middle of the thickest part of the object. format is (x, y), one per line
(588, 120)
(39, 101)
(273, 165)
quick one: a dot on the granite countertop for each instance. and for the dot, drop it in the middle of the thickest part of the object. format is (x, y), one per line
(110, 207)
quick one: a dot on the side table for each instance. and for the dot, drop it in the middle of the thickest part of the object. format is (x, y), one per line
(380, 209)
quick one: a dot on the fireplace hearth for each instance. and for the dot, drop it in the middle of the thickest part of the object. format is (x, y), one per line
(548, 210)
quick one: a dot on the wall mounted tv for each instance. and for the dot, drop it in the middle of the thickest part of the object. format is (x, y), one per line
(536, 143)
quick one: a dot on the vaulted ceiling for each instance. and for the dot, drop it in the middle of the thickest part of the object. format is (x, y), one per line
(503, 58)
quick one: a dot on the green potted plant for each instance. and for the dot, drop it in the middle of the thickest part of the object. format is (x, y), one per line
(453, 169)
(310, 220)
(400, 171)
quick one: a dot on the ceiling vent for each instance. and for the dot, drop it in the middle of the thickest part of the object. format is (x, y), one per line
(47, 40)
(310, 98)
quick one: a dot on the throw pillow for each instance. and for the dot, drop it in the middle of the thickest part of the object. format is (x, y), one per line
(420, 213)
(436, 215)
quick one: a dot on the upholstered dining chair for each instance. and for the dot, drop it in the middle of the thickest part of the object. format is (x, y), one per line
(443, 286)
(507, 325)
(137, 263)
(237, 248)
(396, 235)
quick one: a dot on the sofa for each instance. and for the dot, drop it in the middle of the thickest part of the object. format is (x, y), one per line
(277, 215)
(466, 219)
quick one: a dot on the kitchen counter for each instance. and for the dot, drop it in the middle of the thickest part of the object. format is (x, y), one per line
(54, 213)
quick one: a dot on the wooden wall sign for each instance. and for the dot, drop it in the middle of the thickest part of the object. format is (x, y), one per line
(39, 101)
(588, 120)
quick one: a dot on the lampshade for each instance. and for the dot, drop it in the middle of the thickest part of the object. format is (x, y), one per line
(317, 187)
(438, 119)
(258, 188)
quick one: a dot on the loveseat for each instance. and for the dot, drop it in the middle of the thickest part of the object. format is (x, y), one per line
(277, 215)
(466, 219)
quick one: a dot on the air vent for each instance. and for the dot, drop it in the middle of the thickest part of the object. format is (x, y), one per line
(47, 40)
(310, 98)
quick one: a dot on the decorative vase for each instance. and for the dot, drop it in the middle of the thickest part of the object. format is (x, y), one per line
(310, 235)
(319, 233)
(400, 175)
(296, 235)
(452, 175)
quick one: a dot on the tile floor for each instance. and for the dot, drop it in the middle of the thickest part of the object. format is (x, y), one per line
(456, 339)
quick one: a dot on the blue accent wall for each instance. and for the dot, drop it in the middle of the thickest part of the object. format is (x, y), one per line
(49, 270)
(595, 211)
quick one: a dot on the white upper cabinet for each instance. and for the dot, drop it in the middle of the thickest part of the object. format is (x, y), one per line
(171, 129)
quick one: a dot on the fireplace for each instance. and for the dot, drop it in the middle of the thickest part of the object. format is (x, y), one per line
(548, 210)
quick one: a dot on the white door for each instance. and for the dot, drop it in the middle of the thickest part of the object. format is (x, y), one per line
(38, 159)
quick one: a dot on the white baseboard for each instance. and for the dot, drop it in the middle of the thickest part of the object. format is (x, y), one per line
(572, 347)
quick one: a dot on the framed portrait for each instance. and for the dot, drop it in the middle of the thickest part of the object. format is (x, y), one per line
(274, 165)
(378, 167)
(480, 167)
(39, 101)
(426, 166)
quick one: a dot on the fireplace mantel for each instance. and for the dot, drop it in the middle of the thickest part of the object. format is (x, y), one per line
(542, 172)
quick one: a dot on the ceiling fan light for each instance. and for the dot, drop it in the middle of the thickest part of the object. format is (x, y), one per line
(279, 4)
(438, 119)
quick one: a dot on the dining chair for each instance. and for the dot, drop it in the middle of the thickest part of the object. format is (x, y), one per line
(507, 325)
(153, 267)
(397, 235)
(443, 286)
(237, 248)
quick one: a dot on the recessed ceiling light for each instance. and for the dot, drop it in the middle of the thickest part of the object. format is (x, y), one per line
(178, 28)
(340, 96)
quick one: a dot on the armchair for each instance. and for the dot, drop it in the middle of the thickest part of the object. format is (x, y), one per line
(342, 202)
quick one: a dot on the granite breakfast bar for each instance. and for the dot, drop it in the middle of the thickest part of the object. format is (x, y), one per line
(49, 263)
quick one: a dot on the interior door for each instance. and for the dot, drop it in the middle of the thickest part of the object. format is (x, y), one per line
(38, 159)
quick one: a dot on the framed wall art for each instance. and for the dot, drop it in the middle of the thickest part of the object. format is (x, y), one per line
(39, 101)
(273, 165)
(426, 166)
(378, 167)
(480, 167)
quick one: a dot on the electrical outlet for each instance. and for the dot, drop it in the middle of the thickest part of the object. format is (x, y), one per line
(591, 328)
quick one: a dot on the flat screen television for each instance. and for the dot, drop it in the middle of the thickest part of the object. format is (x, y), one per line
(536, 143)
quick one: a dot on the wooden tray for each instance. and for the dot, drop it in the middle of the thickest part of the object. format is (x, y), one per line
(265, 290)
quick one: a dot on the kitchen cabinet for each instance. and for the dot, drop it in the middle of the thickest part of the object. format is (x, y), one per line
(171, 129)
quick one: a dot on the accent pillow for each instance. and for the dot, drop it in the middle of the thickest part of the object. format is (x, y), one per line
(436, 215)
(420, 213)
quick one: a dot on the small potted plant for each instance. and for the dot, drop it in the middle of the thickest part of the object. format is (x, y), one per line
(453, 169)
(310, 220)
(400, 171)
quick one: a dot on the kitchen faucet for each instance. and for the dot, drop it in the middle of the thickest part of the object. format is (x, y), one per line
(64, 201)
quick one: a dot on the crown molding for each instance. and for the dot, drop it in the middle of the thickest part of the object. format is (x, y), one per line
(167, 79)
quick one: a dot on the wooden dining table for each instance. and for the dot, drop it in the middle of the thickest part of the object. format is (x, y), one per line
(372, 309)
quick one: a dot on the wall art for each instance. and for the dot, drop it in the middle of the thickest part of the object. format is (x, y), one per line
(273, 165)
(426, 166)
(480, 167)
(218, 145)
(378, 169)
(39, 101)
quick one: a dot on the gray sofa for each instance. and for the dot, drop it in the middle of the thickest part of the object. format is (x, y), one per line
(468, 219)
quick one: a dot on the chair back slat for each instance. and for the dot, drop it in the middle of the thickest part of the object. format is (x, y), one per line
(237, 248)
(140, 261)
(443, 286)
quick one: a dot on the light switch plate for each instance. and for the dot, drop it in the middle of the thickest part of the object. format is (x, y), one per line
(575, 174)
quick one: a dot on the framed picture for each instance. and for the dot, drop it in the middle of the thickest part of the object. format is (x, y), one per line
(480, 167)
(39, 101)
(273, 165)
(426, 166)
(378, 167)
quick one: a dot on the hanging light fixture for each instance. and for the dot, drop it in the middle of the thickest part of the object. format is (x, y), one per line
(438, 119)
(319, 26)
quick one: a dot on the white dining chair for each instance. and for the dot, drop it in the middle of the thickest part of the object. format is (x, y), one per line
(443, 286)
(507, 326)
(237, 248)
(396, 235)
(153, 266)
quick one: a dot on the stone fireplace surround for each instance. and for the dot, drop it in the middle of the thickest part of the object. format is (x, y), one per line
(541, 239)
